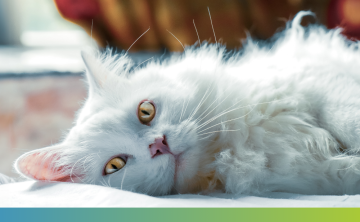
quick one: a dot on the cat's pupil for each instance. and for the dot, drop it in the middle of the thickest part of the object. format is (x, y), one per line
(146, 113)
(113, 166)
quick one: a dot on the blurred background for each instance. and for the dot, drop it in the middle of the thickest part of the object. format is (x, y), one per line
(41, 71)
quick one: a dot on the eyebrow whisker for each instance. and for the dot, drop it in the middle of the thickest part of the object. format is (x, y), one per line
(137, 40)
(212, 25)
(176, 39)
(196, 31)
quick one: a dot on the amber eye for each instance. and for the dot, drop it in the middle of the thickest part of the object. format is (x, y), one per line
(114, 165)
(146, 112)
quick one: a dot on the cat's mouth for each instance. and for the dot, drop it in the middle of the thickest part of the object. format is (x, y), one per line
(160, 147)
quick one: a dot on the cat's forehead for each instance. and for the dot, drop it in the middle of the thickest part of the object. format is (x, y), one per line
(105, 129)
(110, 119)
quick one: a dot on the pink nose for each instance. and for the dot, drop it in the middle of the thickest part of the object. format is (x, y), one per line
(159, 147)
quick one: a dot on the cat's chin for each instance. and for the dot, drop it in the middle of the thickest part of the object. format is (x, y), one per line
(186, 169)
(193, 172)
(181, 170)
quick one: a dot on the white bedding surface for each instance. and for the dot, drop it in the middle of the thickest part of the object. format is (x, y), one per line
(41, 194)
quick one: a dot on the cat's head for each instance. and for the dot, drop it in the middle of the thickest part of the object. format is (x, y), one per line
(135, 131)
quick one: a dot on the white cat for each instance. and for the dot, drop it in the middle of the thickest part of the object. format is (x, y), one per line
(280, 118)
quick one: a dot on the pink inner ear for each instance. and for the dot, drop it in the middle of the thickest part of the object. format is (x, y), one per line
(34, 166)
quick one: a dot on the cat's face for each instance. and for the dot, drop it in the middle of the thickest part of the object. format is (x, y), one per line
(133, 133)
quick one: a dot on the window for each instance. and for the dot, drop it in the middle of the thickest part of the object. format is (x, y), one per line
(37, 23)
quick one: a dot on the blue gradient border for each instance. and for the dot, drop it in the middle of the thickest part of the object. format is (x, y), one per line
(179, 214)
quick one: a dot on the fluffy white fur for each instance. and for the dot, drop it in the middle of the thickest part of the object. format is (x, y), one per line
(280, 117)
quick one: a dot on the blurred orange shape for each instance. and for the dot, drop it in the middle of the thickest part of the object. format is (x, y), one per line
(351, 12)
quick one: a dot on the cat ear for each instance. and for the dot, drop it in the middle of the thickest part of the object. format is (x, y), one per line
(43, 164)
(95, 73)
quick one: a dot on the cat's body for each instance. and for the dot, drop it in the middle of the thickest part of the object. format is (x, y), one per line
(280, 119)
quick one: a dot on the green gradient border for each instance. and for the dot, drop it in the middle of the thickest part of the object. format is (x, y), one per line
(180, 214)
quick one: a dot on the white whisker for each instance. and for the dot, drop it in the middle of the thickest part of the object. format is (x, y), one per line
(72, 168)
(144, 62)
(137, 40)
(212, 24)
(218, 116)
(204, 112)
(219, 131)
(91, 30)
(206, 137)
(223, 113)
(217, 106)
(182, 110)
(104, 183)
(176, 39)
(109, 181)
(187, 104)
(227, 120)
(203, 99)
(196, 31)
(87, 156)
(122, 181)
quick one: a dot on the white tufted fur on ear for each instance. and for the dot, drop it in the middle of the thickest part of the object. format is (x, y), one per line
(43, 164)
(103, 68)
(95, 72)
